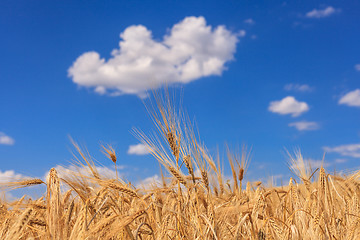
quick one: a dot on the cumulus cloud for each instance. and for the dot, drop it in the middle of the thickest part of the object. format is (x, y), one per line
(349, 150)
(357, 67)
(242, 33)
(7, 197)
(305, 125)
(298, 87)
(321, 13)
(191, 50)
(318, 163)
(288, 105)
(10, 176)
(138, 149)
(249, 21)
(64, 172)
(351, 98)
(310, 163)
(6, 140)
(149, 182)
(340, 160)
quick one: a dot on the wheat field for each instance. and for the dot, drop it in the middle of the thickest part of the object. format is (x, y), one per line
(194, 200)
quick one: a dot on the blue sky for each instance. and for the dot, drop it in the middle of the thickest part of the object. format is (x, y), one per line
(271, 75)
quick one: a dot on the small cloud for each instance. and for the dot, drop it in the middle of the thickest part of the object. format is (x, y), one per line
(274, 179)
(6, 140)
(101, 90)
(242, 33)
(10, 176)
(253, 36)
(7, 197)
(318, 163)
(138, 149)
(305, 125)
(84, 173)
(357, 67)
(288, 105)
(262, 166)
(349, 150)
(65, 172)
(191, 50)
(149, 182)
(298, 87)
(351, 98)
(321, 13)
(341, 160)
(309, 162)
(249, 21)
(277, 176)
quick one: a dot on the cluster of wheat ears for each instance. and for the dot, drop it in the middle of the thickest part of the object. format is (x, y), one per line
(193, 201)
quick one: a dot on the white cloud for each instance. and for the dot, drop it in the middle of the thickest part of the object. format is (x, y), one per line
(309, 162)
(357, 67)
(64, 172)
(298, 87)
(351, 98)
(191, 50)
(6, 140)
(149, 182)
(249, 21)
(322, 13)
(138, 149)
(350, 150)
(305, 125)
(318, 163)
(274, 178)
(7, 197)
(10, 176)
(340, 160)
(288, 105)
(242, 33)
